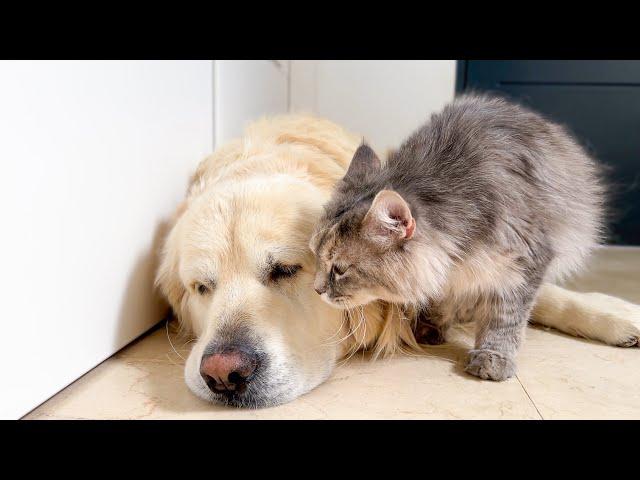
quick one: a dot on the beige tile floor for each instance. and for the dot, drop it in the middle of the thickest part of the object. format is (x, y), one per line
(559, 377)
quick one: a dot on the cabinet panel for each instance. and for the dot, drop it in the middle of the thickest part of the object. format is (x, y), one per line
(488, 74)
(599, 101)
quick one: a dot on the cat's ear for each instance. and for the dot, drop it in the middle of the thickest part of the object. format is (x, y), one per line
(389, 218)
(364, 162)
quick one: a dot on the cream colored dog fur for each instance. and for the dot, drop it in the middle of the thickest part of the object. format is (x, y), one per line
(258, 198)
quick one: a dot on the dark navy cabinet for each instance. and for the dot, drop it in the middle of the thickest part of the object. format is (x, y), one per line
(599, 101)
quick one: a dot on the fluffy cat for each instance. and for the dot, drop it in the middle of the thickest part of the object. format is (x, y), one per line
(464, 222)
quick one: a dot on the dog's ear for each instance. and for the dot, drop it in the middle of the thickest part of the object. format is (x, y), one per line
(364, 162)
(389, 218)
(168, 281)
(167, 277)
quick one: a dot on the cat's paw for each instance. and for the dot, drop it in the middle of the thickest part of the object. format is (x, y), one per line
(490, 365)
(429, 334)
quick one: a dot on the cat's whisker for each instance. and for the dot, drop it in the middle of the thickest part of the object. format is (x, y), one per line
(339, 341)
(364, 321)
(327, 342)
(355, 347)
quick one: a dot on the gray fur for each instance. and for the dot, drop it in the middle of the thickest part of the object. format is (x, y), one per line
(502, 200)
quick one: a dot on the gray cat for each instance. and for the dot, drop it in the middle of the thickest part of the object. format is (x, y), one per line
(464, 222)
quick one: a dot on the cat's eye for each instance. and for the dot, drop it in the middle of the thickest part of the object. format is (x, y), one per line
(280, 271)
(339, 270)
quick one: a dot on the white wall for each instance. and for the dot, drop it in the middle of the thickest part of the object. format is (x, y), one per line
(383, 100)
(94, 156)
(246, 90)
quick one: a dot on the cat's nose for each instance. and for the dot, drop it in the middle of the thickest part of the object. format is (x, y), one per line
(320, 288)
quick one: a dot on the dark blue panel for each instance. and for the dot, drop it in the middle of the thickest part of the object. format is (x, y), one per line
(488, 74)
(598, 100)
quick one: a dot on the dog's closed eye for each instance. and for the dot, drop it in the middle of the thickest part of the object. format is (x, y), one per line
(280, 271)
(201, 288)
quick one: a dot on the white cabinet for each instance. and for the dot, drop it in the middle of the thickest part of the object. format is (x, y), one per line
(94, 156)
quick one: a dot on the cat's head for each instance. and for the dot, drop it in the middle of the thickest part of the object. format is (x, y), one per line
(361, 241)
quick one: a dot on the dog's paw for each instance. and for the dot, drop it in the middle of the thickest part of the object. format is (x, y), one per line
(490, 365)
(631, 341)
(615, 321)
(429, 334)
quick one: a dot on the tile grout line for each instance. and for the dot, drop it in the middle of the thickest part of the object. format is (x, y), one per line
(530, 399)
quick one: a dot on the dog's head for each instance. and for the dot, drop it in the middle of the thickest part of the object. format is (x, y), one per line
(237, 269)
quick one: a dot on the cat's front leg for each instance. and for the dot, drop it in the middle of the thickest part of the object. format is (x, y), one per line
(501, 320)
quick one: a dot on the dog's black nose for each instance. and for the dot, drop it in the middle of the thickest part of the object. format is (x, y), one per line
(228, 371)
